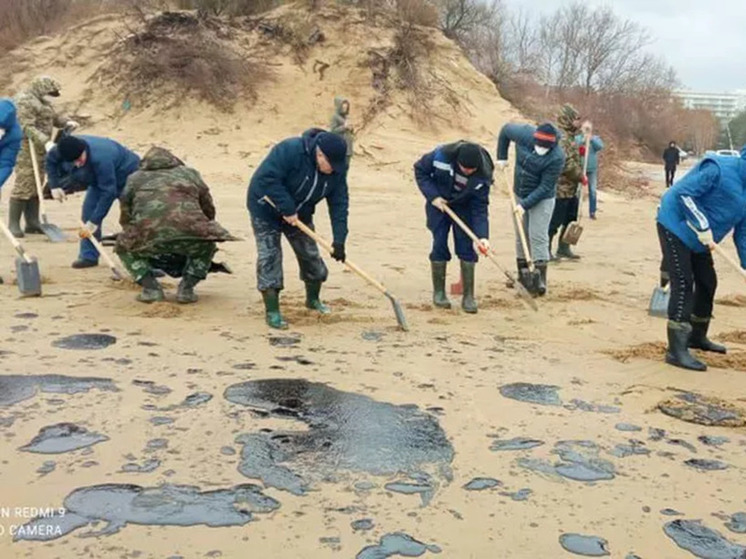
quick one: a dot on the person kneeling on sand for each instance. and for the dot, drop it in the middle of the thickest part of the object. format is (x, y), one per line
(458, 175)
(296, 175)
(168, 223)
(697, 212)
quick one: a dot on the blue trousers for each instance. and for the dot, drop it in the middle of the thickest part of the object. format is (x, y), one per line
(87, 251)
(592, 192)
(440, 226)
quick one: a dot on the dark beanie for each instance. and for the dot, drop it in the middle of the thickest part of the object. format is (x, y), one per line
(546, 135)
(70, 148)
(334, 148)
(469, 156)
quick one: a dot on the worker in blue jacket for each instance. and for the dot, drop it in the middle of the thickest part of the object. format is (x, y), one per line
(458, 175)
(296, 175)
(10, 141)
(101, 164)
(698, 211)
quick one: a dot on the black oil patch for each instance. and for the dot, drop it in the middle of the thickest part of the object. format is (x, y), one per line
(363, 525)
(543, 394)
(582, 462)
(62, 437)
(196, 399)
(627, 427)
(152, 388)
(701, 541)
(17, 388)
(632, 448)
(423, 489)
(261, 459)
(168, 505)
(150, 465)
(703, 410)
(482, 483)
(520, 495)
(588, 407)
(706, 465)
(47, 467)
(517, 443)
(588, 546)
(284, 341)
(397, 544)
(713, 440)
(671, 512)
(156, 444)
(737, 523)
(85, 341)
(161, 420)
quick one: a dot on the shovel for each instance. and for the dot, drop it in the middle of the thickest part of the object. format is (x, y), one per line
(574, 230)
(659, 302)
(520, 289)
(115, 272)
(533, 278)
(350, 266)
(27, 268)
(52, 232)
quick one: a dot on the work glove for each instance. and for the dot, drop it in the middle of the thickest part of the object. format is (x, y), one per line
(581, 149)
(338, 252)
(2, 133)
(519, 211)
(482, 247)
(87, 230)
(72, 125)
(502, 164)
(58, 194)
(48, 146)
(705, 237)
(584, 180)
(439, 203)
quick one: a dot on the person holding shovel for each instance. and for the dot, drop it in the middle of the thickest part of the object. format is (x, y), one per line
(10, 141)
(101, 164)
(458, 175)
(595, 145)
(700, 210)
(538, 163)
(295, 176)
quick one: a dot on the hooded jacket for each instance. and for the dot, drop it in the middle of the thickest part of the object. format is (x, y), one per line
(596, 145)
(710, 196)
(36, 114)
(338, 123)
(10, 143)
(166, 201)
(290, 177)
(536, 176)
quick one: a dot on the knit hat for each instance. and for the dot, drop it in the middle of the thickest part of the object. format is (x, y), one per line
(469, 156)
(334, 148)
(70, 148)
(546, 135)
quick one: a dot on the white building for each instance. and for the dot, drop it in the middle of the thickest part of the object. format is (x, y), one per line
(725, 106)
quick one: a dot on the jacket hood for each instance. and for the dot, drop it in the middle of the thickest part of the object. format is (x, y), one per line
(44, 85)
(310, 137)
(566, 119)
(158, 158)
(338, 102)
(486, 167)
(7, 114)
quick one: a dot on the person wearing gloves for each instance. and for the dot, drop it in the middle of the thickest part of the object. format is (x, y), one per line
(458, 175)
(295, 176)
(101, 164)
(595, 145)
(37, 117)
(698, 211)
(538, 163)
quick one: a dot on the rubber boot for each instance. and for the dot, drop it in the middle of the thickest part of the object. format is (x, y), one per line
(677, 354)
(15, 210)
(468, 303)
(185, 292)
(541, 282)
(552, 256)
(313, 288)
(81, 264)
(152, 291)
(524, 276)
(440, 299)
(272, 308)
(698, 338)
(564, 251)
(31, 216)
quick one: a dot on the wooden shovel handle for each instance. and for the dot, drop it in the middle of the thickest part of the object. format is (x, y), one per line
(101, 250)
(465, 228)
(15, 242)
(519, 224)
(37, 176)
(721, 251)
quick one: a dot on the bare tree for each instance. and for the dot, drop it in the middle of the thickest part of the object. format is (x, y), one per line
(461, 17)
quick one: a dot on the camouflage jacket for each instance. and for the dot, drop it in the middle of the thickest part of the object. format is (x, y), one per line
(36, 114)
(166, 201)
(572, 173)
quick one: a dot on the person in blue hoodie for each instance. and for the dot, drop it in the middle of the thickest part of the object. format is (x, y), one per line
(295, 176)
(458, 175)
(698, 211)
(539, 160)
(10, 141)
(101, 164)
(595, 145)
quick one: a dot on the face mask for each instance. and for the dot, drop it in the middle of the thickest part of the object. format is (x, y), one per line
(2, 133)
(540, 150)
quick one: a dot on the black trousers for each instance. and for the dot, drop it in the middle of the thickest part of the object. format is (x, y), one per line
(693, 278)
(565, 212)
(670, 173)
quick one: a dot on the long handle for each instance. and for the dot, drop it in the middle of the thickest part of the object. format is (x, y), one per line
(15, 242)
(519, 225)
(37, 179)
(721, 251)
(105, 255)
(585, 174)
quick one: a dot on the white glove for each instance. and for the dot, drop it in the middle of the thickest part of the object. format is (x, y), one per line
(58, 194)
(483, 247)
(519, 211)
(48, 146)
(706, 238)
(439, 203)
(72, 124)
(87, 230)
(502, 164)
(2, 133)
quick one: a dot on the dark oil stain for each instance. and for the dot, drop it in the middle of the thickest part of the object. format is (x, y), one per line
(62, 437)
(737, 523)
(628, 427)
(397, 544)
(706, 465)
(712, 440)
(588, 546)
(582, 462)
(655, 434)
(695, 408)
(261, 459)
(372, 336)
(363, 524)
(227, 451)
(152, 388)
(482, 483)
(150, 465)
(89, 464)
(284, 341)
(681, 442)
(702, 541)
(632, 556)
(544, 394)
(161, 420)
(520, 495)
(17, 388)
(581, 405)
(168, 505)
(245, 366)
(85, 341)
(517, 443)
(196, 399)
(671, 512)
(633, 448)
(156, 444)
(19, 328)
(25, 315)
(424, 490)
(295, 359)
(365, 486)
(47, 467)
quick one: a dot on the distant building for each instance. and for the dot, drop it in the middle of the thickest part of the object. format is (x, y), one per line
(725, 106)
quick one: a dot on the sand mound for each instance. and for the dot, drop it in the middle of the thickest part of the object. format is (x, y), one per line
(704, 410)
(564, 294)
(737, 337)
(163, 309)
(732, 301)
(656, 351)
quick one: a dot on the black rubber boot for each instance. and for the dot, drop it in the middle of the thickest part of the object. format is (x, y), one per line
(524, 275)
(564, 251)
(468, 303)
(698, 338)
(80, 264)
(313, 301)
(541, 282)
(31, 216)
(440, 299)
(15, 210)
(677, 354)
(185, 292)
(272, 309)
(152, 291)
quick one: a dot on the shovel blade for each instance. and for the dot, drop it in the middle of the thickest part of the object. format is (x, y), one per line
(398, 312)
(29, 277)
(53, 233)
(572, 233)
(659, 303)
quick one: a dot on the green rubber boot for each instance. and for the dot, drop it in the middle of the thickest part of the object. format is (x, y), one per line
(152, 292)
(440, 299)
(313, 288)
(468, 303)
(185, 293)
(15, 210)
(272, 308)
(31, 215)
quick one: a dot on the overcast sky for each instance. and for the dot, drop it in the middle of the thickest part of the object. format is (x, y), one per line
(703, 40)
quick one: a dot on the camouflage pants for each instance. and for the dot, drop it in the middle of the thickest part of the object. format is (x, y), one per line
(269, 254)
(25, 185)
(176, 258)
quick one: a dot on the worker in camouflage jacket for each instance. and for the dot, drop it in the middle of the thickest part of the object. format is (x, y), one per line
(37, 117)
(568, 193)
(168, 223)
(339, 124)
